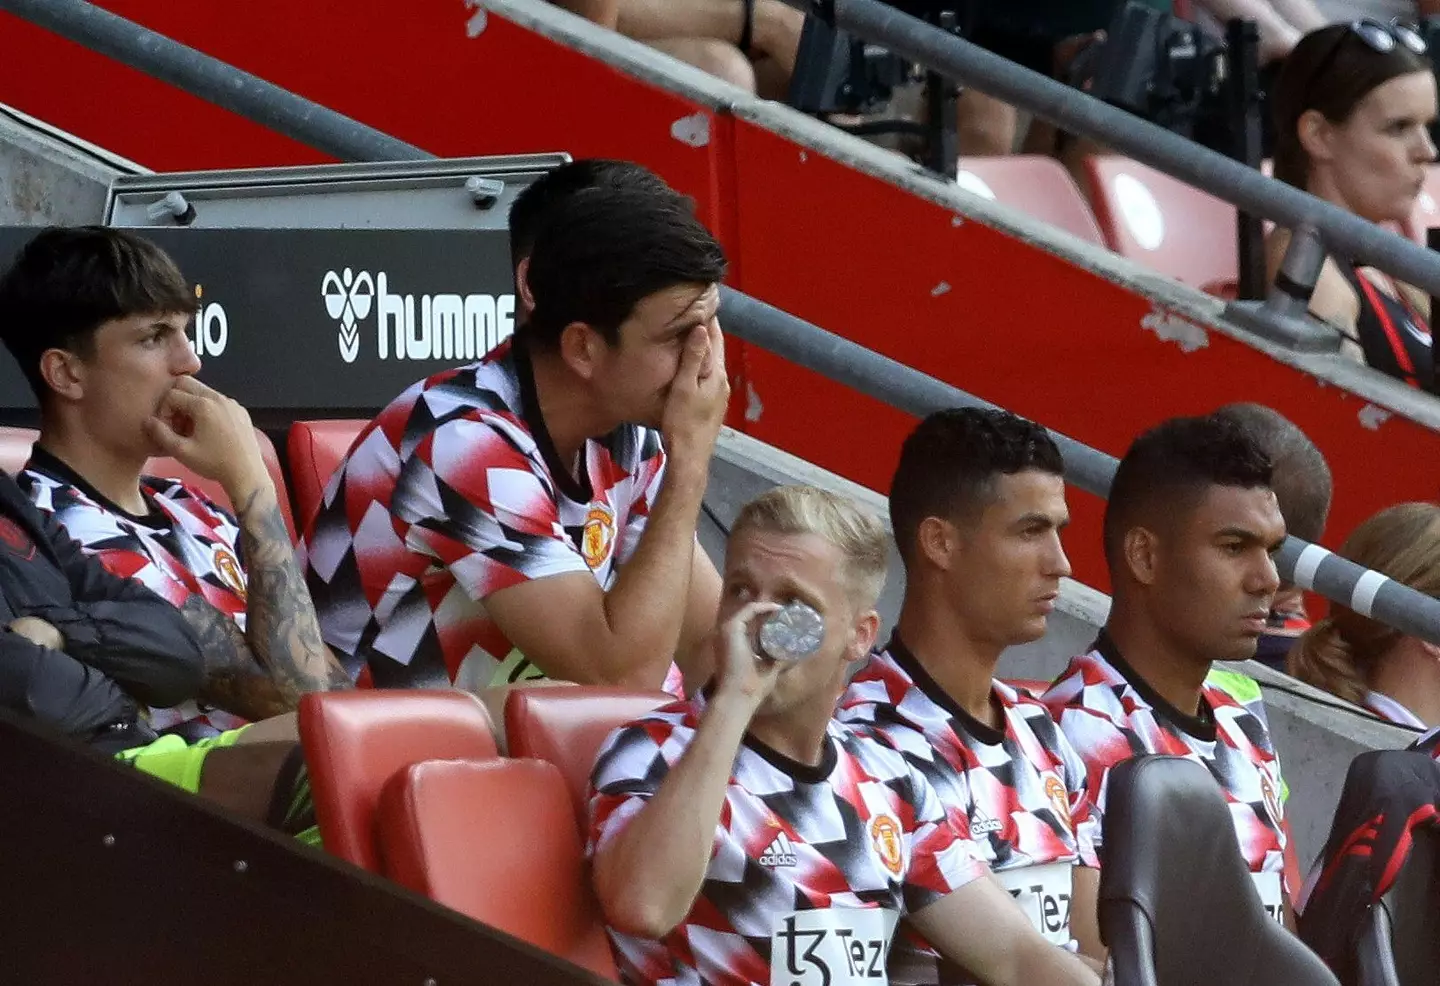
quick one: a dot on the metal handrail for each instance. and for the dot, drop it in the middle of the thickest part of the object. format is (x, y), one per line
(1307, 565)
(214, 81)
(1083, 114)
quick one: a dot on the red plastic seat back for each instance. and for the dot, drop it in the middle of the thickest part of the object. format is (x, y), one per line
(496, 841)
(164, 467)
(315, 449)
(566, 727)
(356, 741)
(1037, 186)
(15, 448)
(1161, 222)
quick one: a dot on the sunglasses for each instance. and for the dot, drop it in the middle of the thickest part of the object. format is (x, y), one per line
(1379, 38)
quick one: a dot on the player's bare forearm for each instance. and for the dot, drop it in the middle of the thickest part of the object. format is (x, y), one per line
(645, 608)
(1041, 962)
(647, 877)
(280, 622)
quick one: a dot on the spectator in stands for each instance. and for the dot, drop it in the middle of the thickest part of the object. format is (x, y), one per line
(746, 835)
(1352, 108)
(1394, 675)
(520, 517)
(1189, 529)
(82, 651)
(1303, 489)
(748, 43)
(977, 504)
(96, 319)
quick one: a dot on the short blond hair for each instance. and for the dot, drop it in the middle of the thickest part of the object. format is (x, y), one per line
(854, 532)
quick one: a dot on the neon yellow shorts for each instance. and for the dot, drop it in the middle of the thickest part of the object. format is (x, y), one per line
(176, 762)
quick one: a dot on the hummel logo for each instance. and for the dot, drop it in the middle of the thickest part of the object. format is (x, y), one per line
(347, 299)
(781, 852)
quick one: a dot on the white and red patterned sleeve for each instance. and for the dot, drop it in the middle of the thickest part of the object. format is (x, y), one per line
(1098, 739)
(942, 858)
(484, 509)
(649, 475)
(630, 768)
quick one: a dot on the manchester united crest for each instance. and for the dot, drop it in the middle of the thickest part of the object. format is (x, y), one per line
(885, 837)
(227, 567)
(597, 538)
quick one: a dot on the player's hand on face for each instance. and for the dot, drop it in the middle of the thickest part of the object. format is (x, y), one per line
(699, 395)
(209, 433)
(743, 674)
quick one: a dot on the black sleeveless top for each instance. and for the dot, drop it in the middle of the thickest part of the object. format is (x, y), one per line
(1394, 337)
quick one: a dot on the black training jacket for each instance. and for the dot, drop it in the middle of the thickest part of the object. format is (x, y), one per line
(124, 645)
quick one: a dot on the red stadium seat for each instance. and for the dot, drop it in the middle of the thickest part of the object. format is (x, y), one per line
(316, 448)
(1038, 186)
(15, 448)
(356, 741)
(1161, 222)
(167, 468)
(496, 841)
(566, 726)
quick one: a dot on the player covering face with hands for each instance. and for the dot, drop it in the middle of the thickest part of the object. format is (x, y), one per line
(745, 836)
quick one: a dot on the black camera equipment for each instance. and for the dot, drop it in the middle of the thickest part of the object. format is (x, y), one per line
(1172, 73)
(836, 73)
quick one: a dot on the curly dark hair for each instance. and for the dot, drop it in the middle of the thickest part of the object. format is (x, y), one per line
(950, 463)
(1175, 463)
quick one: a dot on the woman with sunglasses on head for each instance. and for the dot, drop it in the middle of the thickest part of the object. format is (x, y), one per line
(1352, 105)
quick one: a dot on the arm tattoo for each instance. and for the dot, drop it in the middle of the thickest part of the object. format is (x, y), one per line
(280, 622)
(234, 680)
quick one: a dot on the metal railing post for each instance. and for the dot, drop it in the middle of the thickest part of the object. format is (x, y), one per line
(1284, 316)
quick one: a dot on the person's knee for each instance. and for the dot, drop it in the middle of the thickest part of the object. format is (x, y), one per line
(719, 58)
(984, 125)
(725, 61)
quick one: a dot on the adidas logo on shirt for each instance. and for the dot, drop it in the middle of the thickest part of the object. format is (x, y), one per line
(779, 853)
(983, 825)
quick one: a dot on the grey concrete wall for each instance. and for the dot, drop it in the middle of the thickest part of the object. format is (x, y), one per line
(1316, 735)
(50, 178)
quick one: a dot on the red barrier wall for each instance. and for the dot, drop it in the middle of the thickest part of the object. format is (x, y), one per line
(965, 302)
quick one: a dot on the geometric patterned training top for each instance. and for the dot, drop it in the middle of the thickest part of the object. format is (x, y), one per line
(806, 858)
(187, 545)
(1110, 714)
(1019, 791)
(453, 492)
